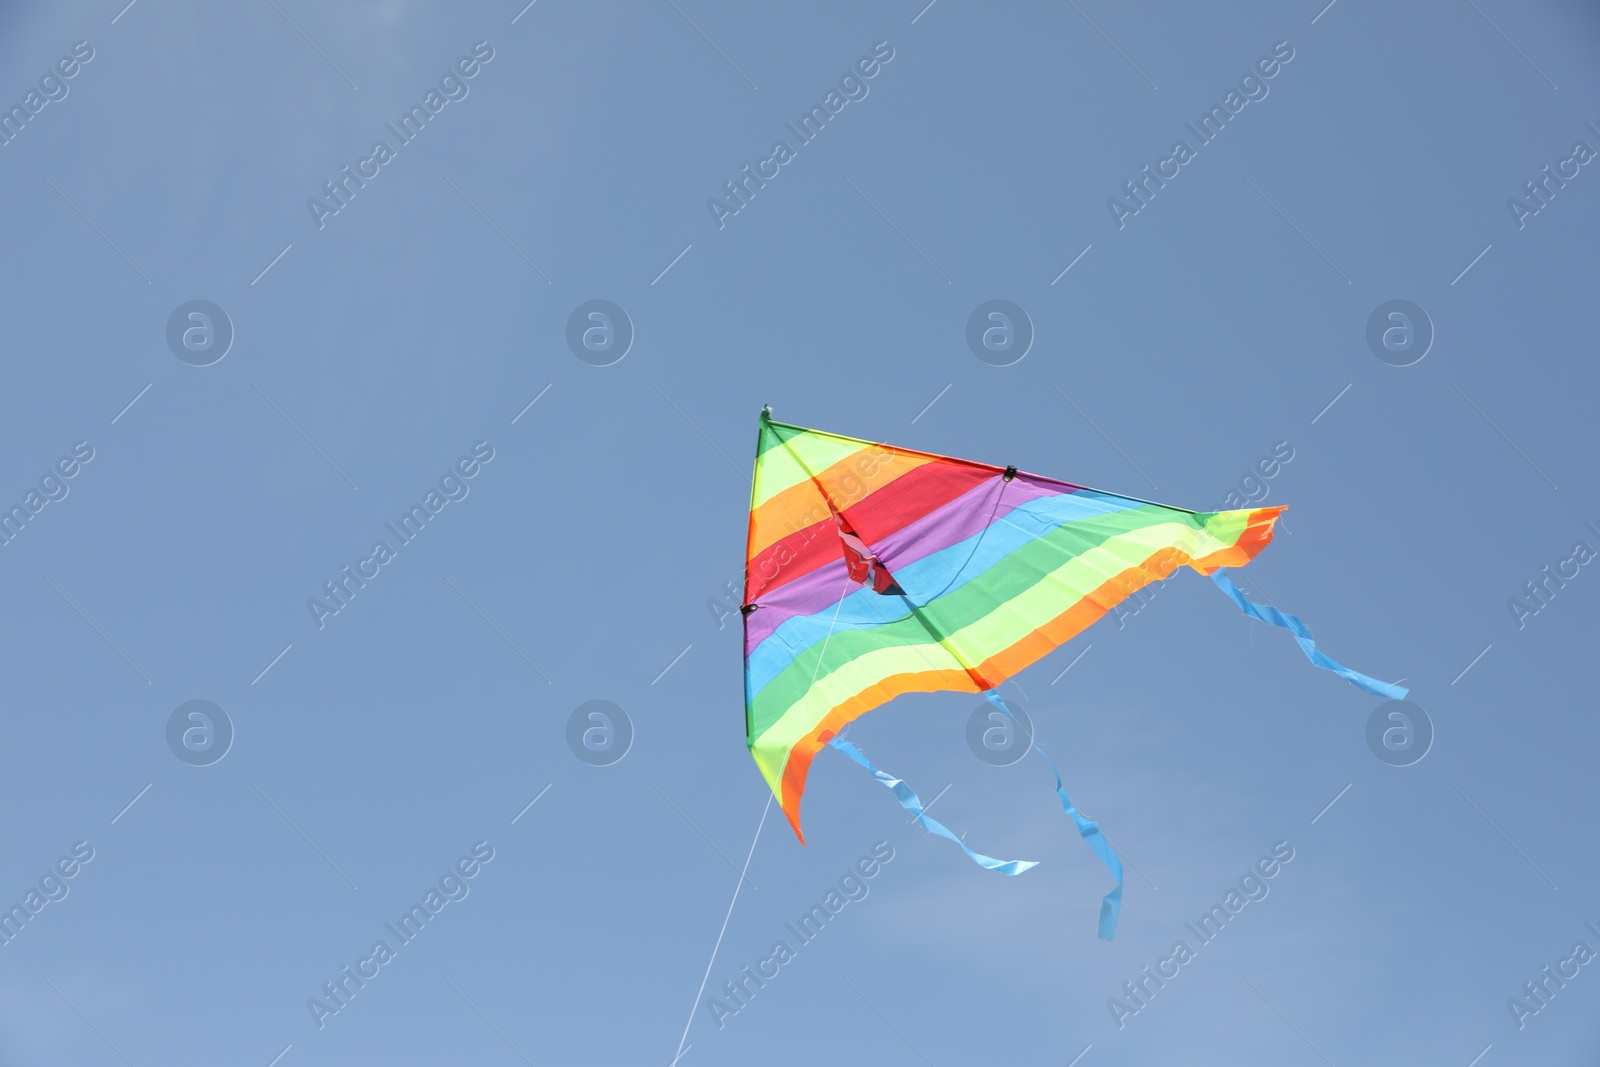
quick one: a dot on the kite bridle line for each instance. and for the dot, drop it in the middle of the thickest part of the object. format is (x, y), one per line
(940, 639)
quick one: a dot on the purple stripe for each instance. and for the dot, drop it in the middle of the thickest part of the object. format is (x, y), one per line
(818, 591)
(950, 524)
(964, 517)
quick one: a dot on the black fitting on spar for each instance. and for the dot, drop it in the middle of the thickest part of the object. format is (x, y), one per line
(1011, 472)
(747, 609)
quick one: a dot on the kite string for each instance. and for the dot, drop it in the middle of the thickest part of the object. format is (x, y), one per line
(977, 543)
(942, 640)
(714, 948)
(824, 653)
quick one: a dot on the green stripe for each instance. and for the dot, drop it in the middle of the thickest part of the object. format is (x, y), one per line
(985, 615)
(772, 747)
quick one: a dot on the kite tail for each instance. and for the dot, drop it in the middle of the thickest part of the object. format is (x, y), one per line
(912, 803)
(1301, 634)
(1111, 905)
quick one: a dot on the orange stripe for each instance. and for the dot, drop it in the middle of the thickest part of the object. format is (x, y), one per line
(1158, 567)
(881, 692)
(1024, 653)
(848, 482)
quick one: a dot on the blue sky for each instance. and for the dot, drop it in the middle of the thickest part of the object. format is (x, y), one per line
(427, 320)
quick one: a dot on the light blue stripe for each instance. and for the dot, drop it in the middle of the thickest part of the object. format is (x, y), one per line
(942, 572)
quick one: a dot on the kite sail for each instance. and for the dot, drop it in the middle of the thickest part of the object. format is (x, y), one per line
(874, 571)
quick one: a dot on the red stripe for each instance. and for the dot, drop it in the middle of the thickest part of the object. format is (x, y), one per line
(793, 557)
(903, 501)
(912, 496)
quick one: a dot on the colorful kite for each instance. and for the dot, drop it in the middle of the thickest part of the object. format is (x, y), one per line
(875, 571)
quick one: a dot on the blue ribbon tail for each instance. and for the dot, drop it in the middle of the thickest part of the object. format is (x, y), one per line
(912, 803)
(1111, 905)
(1307, 645)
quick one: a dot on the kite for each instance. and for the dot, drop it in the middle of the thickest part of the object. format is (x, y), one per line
(875, 571)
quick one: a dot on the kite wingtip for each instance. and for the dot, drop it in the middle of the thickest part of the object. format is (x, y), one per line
(794, 824)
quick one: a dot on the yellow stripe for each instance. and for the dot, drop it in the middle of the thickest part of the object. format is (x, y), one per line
(781, 467)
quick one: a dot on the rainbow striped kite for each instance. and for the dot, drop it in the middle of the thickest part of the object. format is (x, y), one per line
(874, 571)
